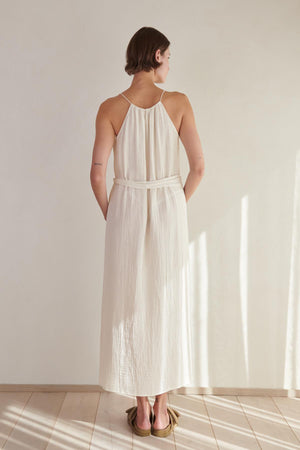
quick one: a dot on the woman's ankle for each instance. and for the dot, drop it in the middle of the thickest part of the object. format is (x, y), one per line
(160, 405)
(143, 403)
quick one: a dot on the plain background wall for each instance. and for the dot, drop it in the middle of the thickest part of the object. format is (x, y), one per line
(238, 62)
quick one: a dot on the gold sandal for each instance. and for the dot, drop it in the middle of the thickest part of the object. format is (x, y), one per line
(164, 432)
(131, 419)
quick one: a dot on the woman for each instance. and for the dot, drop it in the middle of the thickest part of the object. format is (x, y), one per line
(145, 324)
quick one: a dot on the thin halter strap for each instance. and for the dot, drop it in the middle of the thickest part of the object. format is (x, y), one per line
(125, 97)
(133, 103)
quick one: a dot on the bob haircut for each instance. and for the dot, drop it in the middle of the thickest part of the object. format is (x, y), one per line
(140, 53)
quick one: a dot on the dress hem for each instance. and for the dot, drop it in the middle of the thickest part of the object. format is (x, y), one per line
(115, 390)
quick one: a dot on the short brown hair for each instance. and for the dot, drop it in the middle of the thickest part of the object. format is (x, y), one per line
(140, 53)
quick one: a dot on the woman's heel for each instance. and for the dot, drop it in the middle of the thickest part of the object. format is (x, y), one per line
(164, 432)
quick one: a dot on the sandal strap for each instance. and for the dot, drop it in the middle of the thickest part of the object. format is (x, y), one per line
(132, 412)
(173, 415)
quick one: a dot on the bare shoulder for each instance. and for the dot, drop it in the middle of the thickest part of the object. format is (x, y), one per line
(180, 99)
(104, 115)
(111, 106)
(107, 109)
(107, 105)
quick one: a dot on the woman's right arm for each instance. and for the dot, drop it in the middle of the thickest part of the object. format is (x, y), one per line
(104, 141)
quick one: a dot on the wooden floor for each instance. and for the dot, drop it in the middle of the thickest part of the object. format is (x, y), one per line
(97, 420)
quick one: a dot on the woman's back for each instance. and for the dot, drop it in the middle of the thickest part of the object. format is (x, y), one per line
(147, 144)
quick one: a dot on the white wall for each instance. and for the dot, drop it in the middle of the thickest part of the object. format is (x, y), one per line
(238, 61)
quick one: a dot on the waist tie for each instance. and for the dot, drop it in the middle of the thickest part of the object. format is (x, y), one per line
(149, 184)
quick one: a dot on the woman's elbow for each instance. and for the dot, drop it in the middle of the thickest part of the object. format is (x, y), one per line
(96, 177)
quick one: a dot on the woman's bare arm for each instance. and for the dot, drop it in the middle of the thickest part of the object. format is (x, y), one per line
(104, 141)
(192, 144)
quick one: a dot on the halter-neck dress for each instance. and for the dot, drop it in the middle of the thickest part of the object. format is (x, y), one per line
(145, 342)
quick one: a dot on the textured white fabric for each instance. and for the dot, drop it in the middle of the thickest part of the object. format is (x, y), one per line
(145, 346)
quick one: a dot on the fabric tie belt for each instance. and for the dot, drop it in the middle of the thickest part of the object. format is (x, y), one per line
(149, 184)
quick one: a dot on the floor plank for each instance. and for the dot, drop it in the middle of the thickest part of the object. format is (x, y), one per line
(194, 430)
(111, 430)
(290, 409)
(11, 407)
(75, 423)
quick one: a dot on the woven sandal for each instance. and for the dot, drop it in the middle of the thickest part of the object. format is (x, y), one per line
(173, 414)
(131, 419)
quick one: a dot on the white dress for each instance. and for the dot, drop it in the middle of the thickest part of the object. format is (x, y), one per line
(145, 346)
